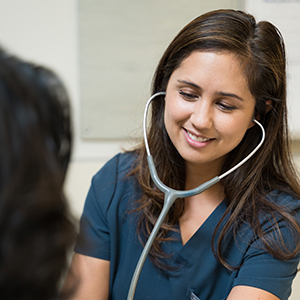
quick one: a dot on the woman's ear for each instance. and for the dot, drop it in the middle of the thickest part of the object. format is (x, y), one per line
(252, 123)
(268, 105)
(268, 108)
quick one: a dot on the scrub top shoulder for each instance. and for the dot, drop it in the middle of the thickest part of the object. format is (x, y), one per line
(108, 225)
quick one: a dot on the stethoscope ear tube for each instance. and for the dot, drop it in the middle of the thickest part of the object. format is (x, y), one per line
(145, 119)
(263, 134)
(171, 195)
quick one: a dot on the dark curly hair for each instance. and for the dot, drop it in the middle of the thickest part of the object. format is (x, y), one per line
(36, 228)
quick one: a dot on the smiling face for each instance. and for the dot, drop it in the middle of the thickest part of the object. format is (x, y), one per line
(208, 108)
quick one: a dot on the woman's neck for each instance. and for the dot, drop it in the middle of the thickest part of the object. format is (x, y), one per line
(199, 174)
(199, 207)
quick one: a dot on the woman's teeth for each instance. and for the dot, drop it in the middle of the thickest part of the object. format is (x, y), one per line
(198, 139)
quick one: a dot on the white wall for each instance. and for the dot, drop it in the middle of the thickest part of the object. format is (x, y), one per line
(46, 32)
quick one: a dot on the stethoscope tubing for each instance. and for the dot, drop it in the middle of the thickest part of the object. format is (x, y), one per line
(171, 195)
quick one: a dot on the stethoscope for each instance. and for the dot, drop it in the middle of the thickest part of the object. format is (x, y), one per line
(171, 195)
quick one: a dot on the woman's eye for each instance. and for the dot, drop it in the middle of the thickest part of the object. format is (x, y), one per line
(226, 107)
(188, 96)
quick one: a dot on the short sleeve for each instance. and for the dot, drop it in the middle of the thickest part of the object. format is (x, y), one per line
(94, 234)
(261, 270)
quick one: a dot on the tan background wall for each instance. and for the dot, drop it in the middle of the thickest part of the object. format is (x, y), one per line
(46, 31)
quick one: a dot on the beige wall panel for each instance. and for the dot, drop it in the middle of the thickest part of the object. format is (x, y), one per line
(120, 43)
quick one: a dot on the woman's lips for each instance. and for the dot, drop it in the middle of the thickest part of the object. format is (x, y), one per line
(194, 140)
(198, 139)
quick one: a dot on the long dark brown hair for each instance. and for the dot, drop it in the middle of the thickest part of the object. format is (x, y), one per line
(261, 51)
(37, 231)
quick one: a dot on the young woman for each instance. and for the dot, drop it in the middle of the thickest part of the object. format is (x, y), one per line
(36, 229)
(240, 238)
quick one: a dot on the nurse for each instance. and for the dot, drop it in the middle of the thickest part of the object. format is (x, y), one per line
(240, 238)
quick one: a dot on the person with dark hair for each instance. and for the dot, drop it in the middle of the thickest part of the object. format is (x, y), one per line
(37, 231)
(239, 239)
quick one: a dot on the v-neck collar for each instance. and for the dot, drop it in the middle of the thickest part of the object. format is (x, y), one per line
(201, 238)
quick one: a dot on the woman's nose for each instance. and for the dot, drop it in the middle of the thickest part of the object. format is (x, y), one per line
(202, 115)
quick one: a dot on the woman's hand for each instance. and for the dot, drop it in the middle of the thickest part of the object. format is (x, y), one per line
(92, 275)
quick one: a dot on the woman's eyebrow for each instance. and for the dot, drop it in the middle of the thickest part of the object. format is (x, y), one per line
(190, 83)
(231, 95)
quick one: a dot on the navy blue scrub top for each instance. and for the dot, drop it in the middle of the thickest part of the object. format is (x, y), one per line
(110, 234)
